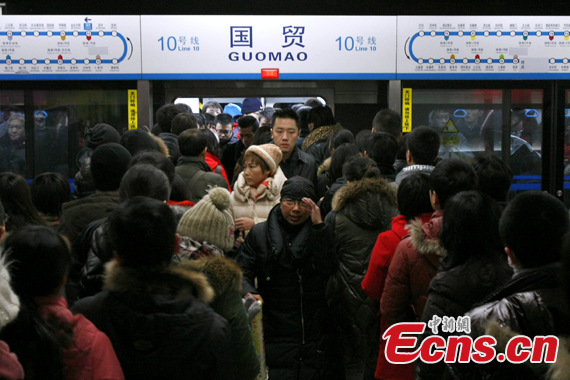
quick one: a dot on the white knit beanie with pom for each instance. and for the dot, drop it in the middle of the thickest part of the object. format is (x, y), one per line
(210, 220)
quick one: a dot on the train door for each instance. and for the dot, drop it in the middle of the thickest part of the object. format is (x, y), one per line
(508, 119)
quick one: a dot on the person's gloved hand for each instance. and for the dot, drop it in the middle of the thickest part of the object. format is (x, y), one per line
(252, 307)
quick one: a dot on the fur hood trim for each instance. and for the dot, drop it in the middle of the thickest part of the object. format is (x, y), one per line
(154, 280)
(161, 145)
(325, 166)
(357, 189)
(223, 274)
(425, 236)
(320, 134)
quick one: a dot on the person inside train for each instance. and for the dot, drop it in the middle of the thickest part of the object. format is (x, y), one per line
(532, 303)
(233, 110)
(422, 152)
(212, 107)
(303, 113)
(382, 148)
(437, 119)
(49, 192)
(266, 116)
(247, 128)
(251, 107)
(50, 342)
(285, 132)
(524, 159)
(146, 300)
(292, 255)
(388, 121)
(258, 186)
(228, 139)
(322, 124)
(13, 146)
(192, 166)
(50, 145)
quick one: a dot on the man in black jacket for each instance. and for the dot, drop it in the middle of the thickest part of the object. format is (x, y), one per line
(532, 228)
(292, 256)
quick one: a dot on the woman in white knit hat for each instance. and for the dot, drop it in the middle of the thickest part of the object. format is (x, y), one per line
(257, 188)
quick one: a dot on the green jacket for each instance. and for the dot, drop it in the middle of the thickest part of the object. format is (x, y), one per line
(188, 166)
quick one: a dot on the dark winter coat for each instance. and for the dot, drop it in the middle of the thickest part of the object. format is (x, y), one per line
(225, 277)
(77, 214)
(301, 164)
(361, 210)
(531, 303)
(414, 264)
(455, 291)
(316, 142)
(188, 166)
(292, 265)
(159, 323)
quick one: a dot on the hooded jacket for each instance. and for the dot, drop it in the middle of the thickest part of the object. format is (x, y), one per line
(316, 142)
(188, 166)
(361, 210)
(292, 264)
(414, 264)
(159, 323)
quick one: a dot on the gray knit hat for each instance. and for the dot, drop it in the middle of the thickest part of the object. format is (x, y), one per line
(210, 220)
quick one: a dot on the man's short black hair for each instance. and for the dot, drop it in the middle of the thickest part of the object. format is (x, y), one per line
(382, 148)
(449, 177)
(247, 122)
(167, 112)
(493, 175)
(533, 225)
(286, 113)
(182, 122)
(192, 142)
(423, 144)
(224, 119)
(413, 195)
(388, 121)
(156, 159)
(142, 231)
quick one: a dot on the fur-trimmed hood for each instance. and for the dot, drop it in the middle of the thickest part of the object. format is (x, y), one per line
(425, 236)
(171, 280)
(223, 274)
(161, 145)
(325, 166)
(369, 203)
(320, 134)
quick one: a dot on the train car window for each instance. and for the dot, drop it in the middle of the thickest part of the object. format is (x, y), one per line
(567, 149)
(61, 120)
(12, 132)
(472, 121)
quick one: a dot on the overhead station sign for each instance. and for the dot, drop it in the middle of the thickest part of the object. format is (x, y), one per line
(240, 47)
(483, 47)
(69, 47)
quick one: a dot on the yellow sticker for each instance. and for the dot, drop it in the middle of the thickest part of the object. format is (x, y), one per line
(450, 139)
(407, 110)
(449, 127)
(133, 109)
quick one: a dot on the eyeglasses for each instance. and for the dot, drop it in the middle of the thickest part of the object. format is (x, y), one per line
(292, 202)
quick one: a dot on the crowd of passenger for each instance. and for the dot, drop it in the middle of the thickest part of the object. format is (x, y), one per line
(178, 238)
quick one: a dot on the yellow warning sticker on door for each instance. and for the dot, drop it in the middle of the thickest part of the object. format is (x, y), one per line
(449, 127)
(407, 110)
(133, 119)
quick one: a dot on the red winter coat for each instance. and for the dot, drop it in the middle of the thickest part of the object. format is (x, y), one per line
(216, 165)
(373, 285)
(91, 356)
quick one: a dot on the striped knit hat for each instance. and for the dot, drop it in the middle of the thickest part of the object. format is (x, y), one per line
(210, 220)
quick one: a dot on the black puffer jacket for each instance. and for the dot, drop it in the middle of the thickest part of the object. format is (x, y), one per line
(316, 142)
(531, 304)
(292, 265)
(361, 210)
